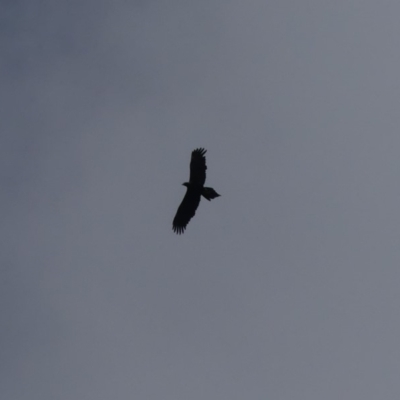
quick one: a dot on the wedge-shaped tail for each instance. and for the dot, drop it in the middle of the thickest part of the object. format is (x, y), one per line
(209, 193)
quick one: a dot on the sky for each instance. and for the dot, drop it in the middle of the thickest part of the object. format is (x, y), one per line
(286, 286)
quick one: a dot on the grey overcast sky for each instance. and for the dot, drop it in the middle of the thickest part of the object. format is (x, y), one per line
(286, 287)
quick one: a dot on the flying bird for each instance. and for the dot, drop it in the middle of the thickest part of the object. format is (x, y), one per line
(195, 189)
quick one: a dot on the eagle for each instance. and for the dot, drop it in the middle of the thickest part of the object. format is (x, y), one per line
(194, 190)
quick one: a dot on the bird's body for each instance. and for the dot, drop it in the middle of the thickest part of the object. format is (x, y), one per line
(195, 189)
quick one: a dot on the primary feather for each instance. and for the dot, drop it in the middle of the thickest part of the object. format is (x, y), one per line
(198, 167)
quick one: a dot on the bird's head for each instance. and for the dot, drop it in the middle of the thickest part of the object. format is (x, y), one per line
(185, 184)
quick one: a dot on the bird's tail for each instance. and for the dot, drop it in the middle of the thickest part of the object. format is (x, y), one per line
(209, 193)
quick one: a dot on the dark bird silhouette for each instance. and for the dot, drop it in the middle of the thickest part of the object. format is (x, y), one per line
(195, 189)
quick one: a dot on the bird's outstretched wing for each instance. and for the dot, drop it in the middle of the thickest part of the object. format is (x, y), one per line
(198, 167)
(186, 210)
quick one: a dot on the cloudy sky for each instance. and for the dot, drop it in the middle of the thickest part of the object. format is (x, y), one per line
(285, 287)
